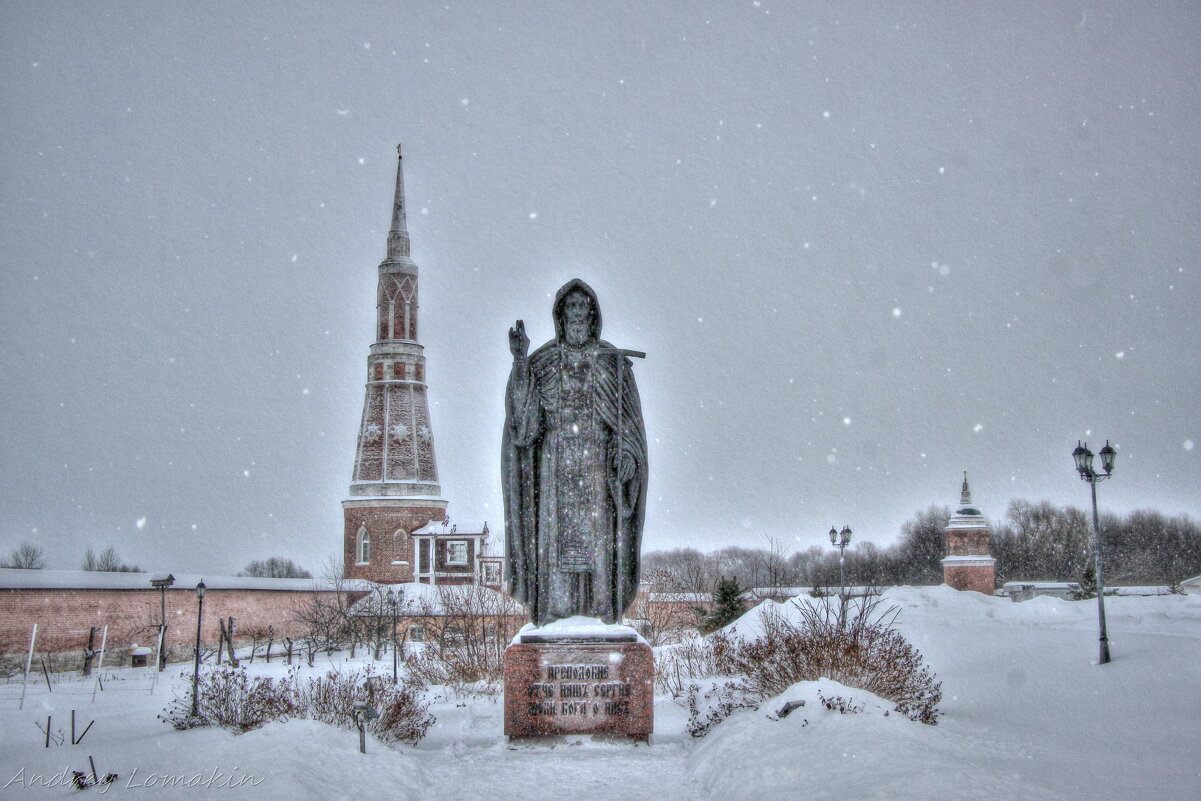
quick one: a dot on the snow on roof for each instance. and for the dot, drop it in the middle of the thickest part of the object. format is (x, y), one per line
(14, 579)
(1045, 586)
(759, 593)
(680, 597)
(435, 599)
(436, 527)
(763, 592)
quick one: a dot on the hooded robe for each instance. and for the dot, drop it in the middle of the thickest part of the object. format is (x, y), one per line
(573, 530)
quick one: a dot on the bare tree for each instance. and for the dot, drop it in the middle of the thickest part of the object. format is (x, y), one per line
(325, 617)
(663, 610)
(106, 562)
(772, 564)
(26, 556)
(466, 629)
(275, 567)
(921, 549)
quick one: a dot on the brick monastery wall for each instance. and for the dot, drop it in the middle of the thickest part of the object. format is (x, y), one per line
(65, 615)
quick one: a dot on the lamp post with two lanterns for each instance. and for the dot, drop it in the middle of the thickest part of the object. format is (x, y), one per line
(840, 540)
(1084, 466)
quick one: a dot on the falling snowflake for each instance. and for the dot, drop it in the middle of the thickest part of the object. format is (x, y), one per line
(399, 431)
(372, 433)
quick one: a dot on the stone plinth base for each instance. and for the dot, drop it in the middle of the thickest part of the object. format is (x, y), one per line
(600, 688)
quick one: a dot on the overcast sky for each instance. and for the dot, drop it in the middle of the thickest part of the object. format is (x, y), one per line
(865, 246)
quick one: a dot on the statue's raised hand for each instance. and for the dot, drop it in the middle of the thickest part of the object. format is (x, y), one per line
(519, 343)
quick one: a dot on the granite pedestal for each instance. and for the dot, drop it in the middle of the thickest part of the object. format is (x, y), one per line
(597, 680)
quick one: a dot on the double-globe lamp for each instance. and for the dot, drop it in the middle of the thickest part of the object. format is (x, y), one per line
(1084, 466)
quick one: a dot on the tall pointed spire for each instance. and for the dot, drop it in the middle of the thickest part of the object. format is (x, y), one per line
(965, 495)
(398, 236)
(394, 490)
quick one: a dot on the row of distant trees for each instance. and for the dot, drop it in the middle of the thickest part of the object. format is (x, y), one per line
(29, 556)
(1035, 541)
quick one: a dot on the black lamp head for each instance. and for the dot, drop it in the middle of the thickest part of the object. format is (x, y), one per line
(1109, 456)
(1084, 459)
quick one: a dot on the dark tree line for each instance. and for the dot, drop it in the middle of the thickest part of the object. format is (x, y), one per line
(1035, 540)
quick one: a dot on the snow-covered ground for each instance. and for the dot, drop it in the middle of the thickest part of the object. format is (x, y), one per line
(1027, 715)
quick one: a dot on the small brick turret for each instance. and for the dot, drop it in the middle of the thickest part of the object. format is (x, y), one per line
(395, 487)
(968, 565)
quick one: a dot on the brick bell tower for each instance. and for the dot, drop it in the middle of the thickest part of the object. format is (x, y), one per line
(968, 565)
(395, 489)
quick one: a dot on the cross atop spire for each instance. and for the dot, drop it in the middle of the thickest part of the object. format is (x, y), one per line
(398, 236)
(965, 495)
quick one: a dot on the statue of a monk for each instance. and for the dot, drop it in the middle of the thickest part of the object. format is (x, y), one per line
(574, 468)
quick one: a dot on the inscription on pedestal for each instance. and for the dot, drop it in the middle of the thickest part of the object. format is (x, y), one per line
(579, 689)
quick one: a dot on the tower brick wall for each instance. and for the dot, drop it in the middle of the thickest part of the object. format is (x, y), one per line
(388, 526)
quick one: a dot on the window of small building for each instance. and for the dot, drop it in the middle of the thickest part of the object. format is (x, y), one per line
(416, 634)
(456, 552)
(491, 573)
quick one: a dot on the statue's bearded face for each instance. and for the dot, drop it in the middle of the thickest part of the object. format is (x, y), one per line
(577, 313)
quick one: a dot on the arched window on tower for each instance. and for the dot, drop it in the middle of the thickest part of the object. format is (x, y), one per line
(362, 546)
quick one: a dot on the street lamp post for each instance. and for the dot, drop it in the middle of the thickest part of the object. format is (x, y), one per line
(393, 599)
(1084, 466)
(196, 667)
(840, 540)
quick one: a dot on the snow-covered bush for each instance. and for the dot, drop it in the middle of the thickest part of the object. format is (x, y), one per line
(403, 713)
(861, 649)
(697, 657)
(843, 706)
(230, 698)
(858, 647)
(710, 705)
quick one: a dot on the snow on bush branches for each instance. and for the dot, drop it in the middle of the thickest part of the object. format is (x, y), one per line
(230, 698)
(854, 644)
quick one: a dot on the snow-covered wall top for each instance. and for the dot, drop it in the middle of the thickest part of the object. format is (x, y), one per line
(12, 579)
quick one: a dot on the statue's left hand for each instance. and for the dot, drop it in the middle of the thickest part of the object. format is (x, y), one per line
(625, 467)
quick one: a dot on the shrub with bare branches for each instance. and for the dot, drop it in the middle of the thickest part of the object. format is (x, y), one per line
(860, 648)
(403, 714)
(865, 651)
(230, 698)
(466, 630)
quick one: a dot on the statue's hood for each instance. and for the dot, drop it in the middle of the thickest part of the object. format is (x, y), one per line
(560, 317)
